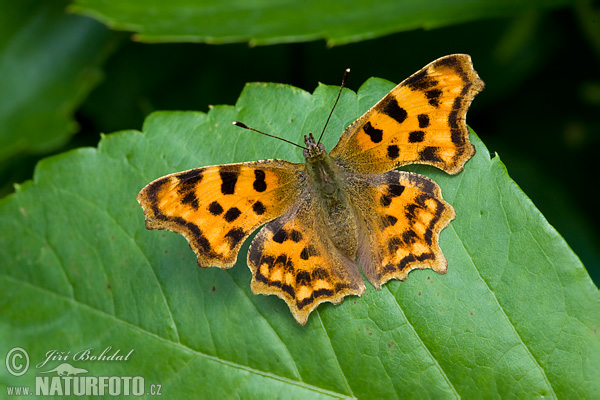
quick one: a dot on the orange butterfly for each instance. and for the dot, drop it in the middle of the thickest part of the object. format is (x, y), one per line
(335, 210)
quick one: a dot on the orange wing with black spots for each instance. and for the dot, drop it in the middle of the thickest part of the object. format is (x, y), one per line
(402, 214)
(421, 121)
(217, 207)
(294, 258)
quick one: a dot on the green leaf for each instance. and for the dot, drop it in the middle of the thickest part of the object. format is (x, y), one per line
(268, 22)
(515, 316)
(49, 63)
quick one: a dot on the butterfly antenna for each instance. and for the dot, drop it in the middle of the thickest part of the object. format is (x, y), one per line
(336, 101)
(242, 125)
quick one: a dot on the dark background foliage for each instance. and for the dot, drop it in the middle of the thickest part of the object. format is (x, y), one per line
(539, 111)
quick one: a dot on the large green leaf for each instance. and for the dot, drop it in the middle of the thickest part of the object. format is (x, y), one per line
(49, 61)
(515, 316)
(267, 21)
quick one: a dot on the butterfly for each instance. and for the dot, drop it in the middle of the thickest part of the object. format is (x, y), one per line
(337, 211)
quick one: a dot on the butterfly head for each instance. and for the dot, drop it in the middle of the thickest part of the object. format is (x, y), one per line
(313, 149)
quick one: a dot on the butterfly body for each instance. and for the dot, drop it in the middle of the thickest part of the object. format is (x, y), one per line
(327, 184)
(338, 211)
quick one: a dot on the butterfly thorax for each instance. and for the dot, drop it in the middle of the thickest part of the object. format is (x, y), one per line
(329, 187)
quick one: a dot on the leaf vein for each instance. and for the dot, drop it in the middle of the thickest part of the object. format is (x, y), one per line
(412, 328)
(493, 294)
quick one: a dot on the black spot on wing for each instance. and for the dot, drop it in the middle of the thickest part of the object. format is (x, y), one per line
(393, 110)
(269, 260)
(280, 236)
(393, 151)
(423, 120)
(411, 258)
(451, 62)
(304, 254)
(259, 183)
(433, 96)
(456, 134)
(191, 199)
(235, 235)
(289, 290)
(420, 81)
(421, 199)
(390, 220)
(304, 302)
(409, 237)
(228, 181)
(303, 278)
(375, 134)
(385, 200)
(190, 178)
(282, 260)
(308, 251)
(311, 299)
(406, 260)
(409, 211)
(414, 80)
(395, 190)
(295, 235)
(232, 214)
(215, 208)
(416, 136)
(429, 154)
(258, 208)
(322, 293)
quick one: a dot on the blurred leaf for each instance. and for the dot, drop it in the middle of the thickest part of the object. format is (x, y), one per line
(48, 63)
(268, 22)
(588, 12)
(515, 316)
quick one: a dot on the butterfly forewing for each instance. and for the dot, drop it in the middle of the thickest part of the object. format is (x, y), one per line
(421, 121)
(217, 207)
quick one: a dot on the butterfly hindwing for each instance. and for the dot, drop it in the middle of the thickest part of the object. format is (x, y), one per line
(294, 258)
(421, 121)
(402, 214)
(217, 207)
